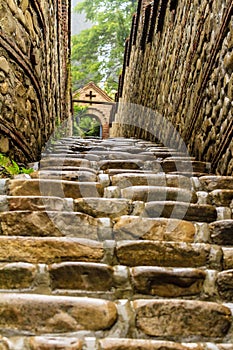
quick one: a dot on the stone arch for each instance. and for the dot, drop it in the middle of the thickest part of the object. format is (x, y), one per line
(99, 113)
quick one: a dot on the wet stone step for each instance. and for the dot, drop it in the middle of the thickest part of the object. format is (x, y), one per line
(81, 276)
(49, 250)
(41, 314)
(33, 203)
(211, 183)
(222, 198)
(156, 193)
(182, 319)
(181, 210)
(221, 232)
(134, 179)
(145, 344)
(50, 224)
(54, 188)
(169, 254)
(134, 227)
(167, 282)
(103, 207)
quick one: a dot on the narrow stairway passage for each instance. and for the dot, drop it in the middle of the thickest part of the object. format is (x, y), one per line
(118, 244)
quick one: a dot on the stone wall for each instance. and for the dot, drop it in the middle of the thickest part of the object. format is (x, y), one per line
(34, 76)
(179, 62)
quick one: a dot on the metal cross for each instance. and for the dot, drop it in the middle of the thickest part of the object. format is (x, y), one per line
(90, 95)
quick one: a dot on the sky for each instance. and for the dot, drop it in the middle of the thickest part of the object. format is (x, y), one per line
(78, 22)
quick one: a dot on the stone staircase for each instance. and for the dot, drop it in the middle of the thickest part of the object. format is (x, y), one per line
(117, 244)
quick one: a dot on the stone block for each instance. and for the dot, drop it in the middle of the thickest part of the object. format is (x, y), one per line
(159, 229)
(221, 198)
(49, 250)
(182, 318)
(34, 203)
(211, 183)
(41, 314)
(225, 284)
(17, 275)
(81, 276)
(120, 164)
(168, 254)
(4, 65)
(47, 163)
(145, 344)
(167, 282)
(221, 232)
(54, 343)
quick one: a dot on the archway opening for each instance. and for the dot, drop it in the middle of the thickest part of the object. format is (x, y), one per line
(87, 125)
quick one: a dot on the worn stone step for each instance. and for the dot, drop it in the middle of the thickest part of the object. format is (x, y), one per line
(74, 162)
(71, 154)
(211, 183)
(120, 164)
(169, 254)
(51, 224)
(156, 193)
(81, 276)
(113, 172)
(123, 156)
(135, 227)
(49, 250)
(54, 188)
(167, 282)
(134, 179)
(17, 275)
(79, 176)
(54, 343)
(103, 207)
(221, 198)
(182, 319)
(181, 210)
(225, 285)
(41, 314)
(190, 166)
(33, 203)
(221, 232)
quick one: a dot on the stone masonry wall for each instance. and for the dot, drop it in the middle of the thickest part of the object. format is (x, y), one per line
(179, 62)
(34, 77)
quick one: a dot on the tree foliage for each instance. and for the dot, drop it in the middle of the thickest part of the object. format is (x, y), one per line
(97, 52)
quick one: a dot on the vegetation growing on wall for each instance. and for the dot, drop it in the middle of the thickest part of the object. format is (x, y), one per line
(9, 168)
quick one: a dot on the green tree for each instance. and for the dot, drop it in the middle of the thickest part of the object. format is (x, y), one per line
(97, 53)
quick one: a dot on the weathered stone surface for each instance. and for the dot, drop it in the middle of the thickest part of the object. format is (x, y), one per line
(81, 175)
(57, 224)
(134, 179)
(168, 254)
(181, 210)
(49, 250)
(211, 183)
(182, 318)
(54, 343)
(54, 188)
(156, 193)
(47, 163)
(4, 344)
(134, 227)
(50, 314)
(167, 282)
(120, 164)
(103, 207)
(81, 276)
(225, 284)
(221, 232)
(222, 198)
(180, 166)
(145, 344)
(16, 275)
(227, 258)
(38, 203)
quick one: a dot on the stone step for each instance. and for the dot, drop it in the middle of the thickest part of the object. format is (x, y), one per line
(74, 162)
(156, 193)
(181, 210)
(186, 166)
(54, 188)
(120, 164)
(53, 343)
(221, 198)
(80, 175)
(182, 319)
(41, 314)
(211, 183)
(135, 227)
(71, 154)
(134, 179)
(221, 232)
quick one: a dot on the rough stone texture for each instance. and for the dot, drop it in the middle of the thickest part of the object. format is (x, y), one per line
(221, 198)
(34, 83)
(133, 227)
(55, 343)
(177, 73)
(166, 282)
(225, 284)
(49, 250)
(16, 275)
(221, 232)
(182, 318)
(139, 344)
(34, 203)
(168, 254)
(212, 183)
(86, 276)
(45, 314)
